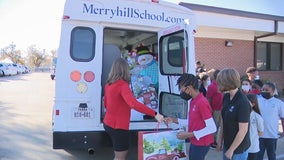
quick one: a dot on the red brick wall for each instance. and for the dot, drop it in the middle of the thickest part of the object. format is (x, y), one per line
(274, 76)
(214, 54)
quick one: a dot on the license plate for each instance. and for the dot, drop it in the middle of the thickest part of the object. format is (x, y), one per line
(87, 113)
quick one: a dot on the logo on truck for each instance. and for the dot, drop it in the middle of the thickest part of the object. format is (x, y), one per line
(130, 12)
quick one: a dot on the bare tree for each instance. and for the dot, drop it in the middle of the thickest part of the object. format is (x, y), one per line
(35, 56)
(11, 53)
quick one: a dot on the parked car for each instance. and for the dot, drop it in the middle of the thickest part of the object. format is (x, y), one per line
(13, 69)
(1, 73)
(26, 69)
(8, 69)
(17, 68)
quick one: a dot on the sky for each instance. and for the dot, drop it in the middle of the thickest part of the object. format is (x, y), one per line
(30, 22)
(37, 22)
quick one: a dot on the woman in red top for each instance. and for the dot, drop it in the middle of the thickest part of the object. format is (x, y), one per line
(119, 101)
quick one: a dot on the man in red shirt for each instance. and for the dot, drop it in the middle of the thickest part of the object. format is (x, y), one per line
(215, 98)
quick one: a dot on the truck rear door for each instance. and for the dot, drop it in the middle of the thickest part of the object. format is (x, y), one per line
(176, 56)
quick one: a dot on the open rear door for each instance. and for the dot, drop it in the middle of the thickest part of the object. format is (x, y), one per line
(176, 56)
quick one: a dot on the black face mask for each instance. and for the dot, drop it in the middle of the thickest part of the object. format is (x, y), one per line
(266, 95)
(185, 96)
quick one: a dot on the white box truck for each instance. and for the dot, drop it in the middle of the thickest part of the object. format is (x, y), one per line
(93, 34)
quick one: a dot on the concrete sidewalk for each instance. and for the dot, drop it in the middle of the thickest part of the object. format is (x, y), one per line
(214, 155)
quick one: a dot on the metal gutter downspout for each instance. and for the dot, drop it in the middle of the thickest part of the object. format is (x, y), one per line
(262, 36)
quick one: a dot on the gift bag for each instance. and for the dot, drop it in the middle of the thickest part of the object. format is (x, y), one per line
(160, 145)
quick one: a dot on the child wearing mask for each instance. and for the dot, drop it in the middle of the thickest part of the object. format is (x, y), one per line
(200, 122)
(272, 110)
(246, 86)
(205, 82)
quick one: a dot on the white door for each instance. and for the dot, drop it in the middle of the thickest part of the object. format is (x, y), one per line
(176, 56)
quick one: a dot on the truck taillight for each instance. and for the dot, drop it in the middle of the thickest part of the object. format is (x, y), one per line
(66, 17)
(82, 87)
(75, 76)
(89, 76)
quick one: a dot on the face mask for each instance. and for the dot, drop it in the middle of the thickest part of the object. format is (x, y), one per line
(266, 95)
(257, 77)
(256, 91)
(185, 96)
(208, 83)
(245, 88)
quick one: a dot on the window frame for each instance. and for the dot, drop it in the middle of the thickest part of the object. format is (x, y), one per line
(166, 61)
(92, 55)
(182, 106)
(269, 55)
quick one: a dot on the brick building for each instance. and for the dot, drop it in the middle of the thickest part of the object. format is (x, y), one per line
(240, 39)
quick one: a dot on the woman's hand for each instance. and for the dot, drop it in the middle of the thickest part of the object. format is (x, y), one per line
(159, 117)
(229, 154)
(169, 120)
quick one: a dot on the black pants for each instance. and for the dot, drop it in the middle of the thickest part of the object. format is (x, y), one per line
(252, 156)
(268, 144)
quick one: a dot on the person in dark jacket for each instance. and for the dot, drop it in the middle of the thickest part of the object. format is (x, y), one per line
(234, 130)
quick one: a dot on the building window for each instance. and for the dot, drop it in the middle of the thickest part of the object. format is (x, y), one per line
(269, 56)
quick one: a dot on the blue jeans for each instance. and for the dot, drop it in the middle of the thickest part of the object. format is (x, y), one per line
(268, 144)
(198, 152)
(240, 156)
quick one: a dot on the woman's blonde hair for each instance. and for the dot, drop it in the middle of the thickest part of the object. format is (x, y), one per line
(119, 70)
(228, 79)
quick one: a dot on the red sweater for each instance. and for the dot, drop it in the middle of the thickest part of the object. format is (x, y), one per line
(118, 101)
(215, 96)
